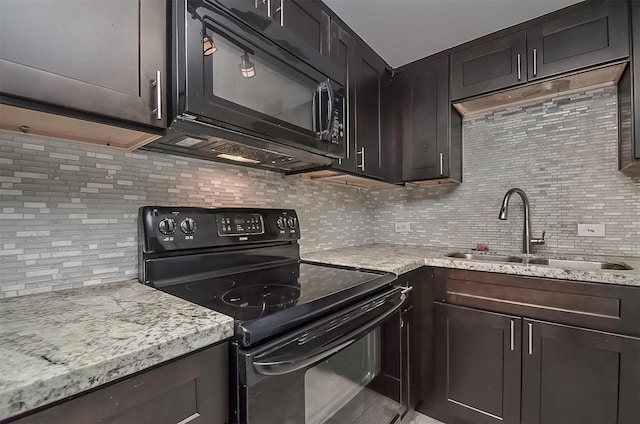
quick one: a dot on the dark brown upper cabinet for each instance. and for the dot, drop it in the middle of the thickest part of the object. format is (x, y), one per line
(372, 92)
(597, 32)
(629, 104)
(343, 55)
(306, 20)
(589, 34)
(430, 129)
(478, 362)
(575, 375)
(490, 66)
(98, 57)
(368, 87)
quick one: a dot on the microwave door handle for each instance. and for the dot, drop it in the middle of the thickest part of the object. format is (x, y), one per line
(314, 112)
(297, 361)
(330, 100)
(317, 113)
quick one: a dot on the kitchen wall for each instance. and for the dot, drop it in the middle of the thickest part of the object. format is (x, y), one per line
(562, 152)
(68, 210)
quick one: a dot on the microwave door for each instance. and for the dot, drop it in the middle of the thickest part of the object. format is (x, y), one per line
(250, 84)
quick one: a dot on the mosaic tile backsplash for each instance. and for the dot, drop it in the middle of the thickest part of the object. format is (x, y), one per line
(562, 152)
(68, 211)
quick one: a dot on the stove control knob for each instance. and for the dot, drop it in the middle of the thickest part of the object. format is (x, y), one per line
(291, 222)
(282, 223)
(167, 226)
(188, 226)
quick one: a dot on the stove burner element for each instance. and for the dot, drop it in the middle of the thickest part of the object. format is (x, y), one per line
(262, 296)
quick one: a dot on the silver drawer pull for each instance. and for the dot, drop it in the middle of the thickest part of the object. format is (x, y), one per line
(157, 84)
(530, 338)
(361, 152)
(512, 339)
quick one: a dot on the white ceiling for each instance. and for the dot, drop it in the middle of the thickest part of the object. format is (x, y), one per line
(402, 31)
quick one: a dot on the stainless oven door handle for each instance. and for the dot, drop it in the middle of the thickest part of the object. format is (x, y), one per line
(298, 362)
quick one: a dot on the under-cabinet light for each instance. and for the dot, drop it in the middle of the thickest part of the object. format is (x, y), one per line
(237, 158)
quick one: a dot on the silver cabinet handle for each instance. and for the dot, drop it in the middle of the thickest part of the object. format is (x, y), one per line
(441, 163)
(512, 339)
(405, 290)
(361, 152)
(268, 7)
(519, 68)
(281, 10)
(530, 338)
(535, 62)
(157, 84)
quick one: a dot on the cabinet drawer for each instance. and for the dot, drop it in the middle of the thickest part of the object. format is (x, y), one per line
(193, 389)
(591, 305)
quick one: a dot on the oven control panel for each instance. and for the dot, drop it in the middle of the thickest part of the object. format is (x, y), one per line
(239, 224)
(167, 228)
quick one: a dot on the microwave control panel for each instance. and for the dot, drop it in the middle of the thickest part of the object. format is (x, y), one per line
(337, 127)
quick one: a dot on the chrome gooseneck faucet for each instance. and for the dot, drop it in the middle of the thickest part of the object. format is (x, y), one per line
(527, 241)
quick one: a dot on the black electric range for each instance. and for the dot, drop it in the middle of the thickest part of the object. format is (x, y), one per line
(300, 327)
(245, 263)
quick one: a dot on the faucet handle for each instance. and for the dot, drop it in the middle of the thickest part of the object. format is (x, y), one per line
(540, 240)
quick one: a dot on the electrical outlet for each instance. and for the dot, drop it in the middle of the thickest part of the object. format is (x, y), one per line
(403, 227)
(591, 230)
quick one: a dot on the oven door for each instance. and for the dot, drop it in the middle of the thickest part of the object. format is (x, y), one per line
(330, 372)
(244, 82)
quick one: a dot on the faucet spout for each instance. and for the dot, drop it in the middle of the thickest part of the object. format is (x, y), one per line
(527, 241)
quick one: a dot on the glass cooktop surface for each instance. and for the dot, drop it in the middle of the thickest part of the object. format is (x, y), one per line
(279, 296)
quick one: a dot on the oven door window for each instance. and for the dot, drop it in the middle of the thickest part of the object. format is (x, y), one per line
(349, 387)
(337, 390)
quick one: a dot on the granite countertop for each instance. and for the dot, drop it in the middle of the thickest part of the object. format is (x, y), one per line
(54, 345)
(400, 259)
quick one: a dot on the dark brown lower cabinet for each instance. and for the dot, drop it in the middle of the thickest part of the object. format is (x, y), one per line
(478, 364)
(495, 368)
(193, 389)
(574, 375)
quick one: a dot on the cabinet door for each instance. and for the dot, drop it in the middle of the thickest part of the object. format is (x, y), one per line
(100, 57)
(193, 389)
(490, 66)
(594, 34)
(370, 72)
(425, 121)
(343, 55)
(306, 20)
(478, 364)
(573, 375)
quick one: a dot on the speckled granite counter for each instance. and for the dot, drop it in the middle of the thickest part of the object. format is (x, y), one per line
(400, 259)
(59, 344)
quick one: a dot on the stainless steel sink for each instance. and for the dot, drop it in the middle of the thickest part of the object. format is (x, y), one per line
(587, 265)
(487, 258)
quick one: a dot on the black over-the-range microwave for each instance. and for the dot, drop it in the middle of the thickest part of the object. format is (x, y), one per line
(243, 90)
